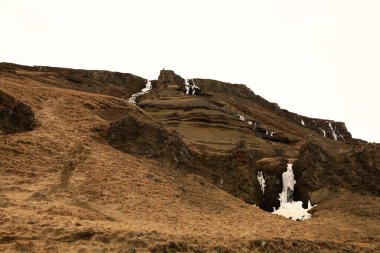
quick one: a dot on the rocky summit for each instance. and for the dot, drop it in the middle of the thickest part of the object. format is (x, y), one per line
(100, 161)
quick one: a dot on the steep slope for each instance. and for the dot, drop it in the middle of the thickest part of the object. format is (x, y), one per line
(64, 187)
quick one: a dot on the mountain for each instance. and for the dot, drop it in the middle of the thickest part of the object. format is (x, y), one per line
(82, 169)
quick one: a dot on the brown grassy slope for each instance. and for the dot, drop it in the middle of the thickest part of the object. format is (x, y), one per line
(63, 189)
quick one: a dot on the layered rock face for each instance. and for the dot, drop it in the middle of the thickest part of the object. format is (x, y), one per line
(327, 128)
(15, 116)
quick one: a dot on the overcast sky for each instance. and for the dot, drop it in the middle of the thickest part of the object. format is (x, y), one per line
(316, 58)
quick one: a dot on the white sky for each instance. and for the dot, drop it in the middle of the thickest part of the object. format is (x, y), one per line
(316, 58)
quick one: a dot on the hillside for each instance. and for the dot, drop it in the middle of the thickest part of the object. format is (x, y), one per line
(84, 170)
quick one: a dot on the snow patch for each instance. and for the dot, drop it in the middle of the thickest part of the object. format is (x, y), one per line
(261, 180)
(253, 124)
(302, 123)
(147, 89)
(241, 117)
(293, 211)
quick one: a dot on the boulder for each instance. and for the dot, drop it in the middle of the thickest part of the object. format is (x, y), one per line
(15, 116)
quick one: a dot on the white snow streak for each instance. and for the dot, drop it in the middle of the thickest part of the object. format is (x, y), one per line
(335, 135)
(147, 89)
(323, 131)
(261, 180)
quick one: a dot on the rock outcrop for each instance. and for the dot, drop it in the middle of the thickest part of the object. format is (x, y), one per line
(320, 172)
(15, 116)
(169, 80)
(138, 134)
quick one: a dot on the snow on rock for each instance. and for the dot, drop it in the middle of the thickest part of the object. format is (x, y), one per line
(187, 86)
(323, 131)
(302, 122)
(261, 180)
(241, 117)
(147, 89)
(194, 87)
(335, 135)
(253, 124)
(289, 208)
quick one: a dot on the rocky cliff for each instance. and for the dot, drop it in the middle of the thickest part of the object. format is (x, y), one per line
(215, 122)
